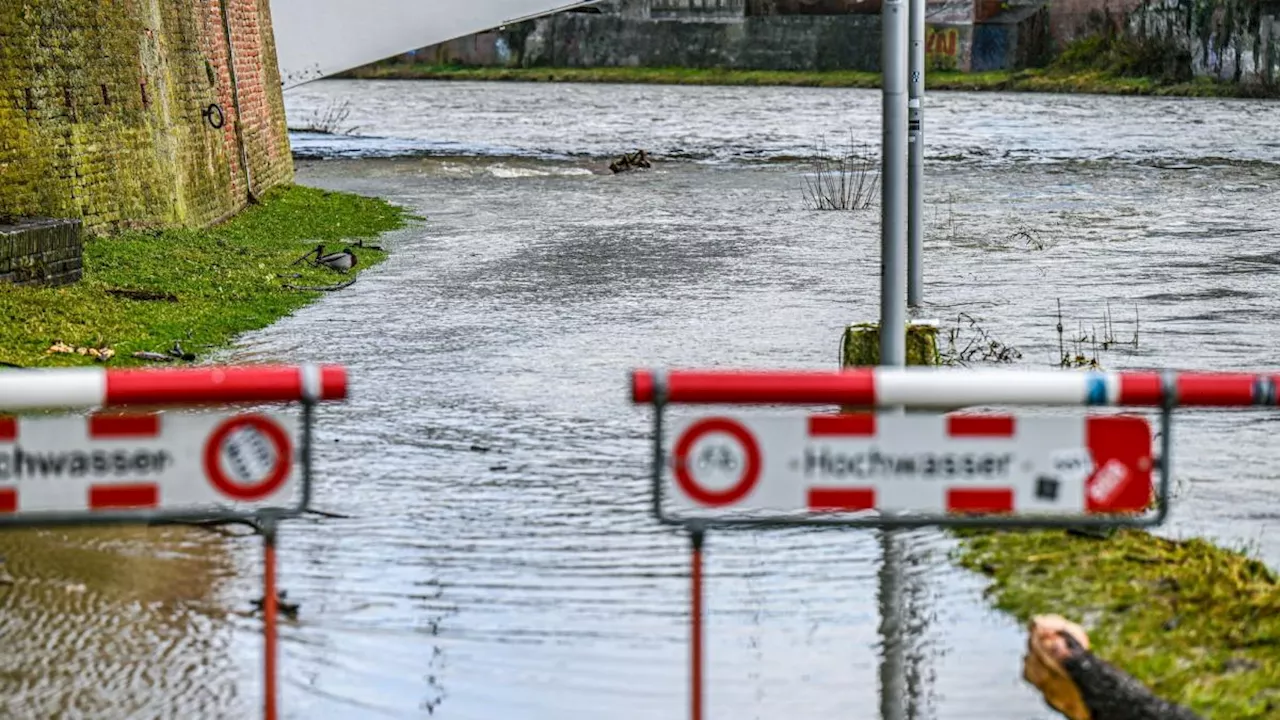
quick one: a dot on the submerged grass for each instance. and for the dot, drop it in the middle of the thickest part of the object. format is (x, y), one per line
(214, 283)
(1197, 623)
(1055, 80)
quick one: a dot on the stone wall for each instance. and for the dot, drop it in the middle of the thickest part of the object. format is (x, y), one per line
(1230, 40)
(105, 110)
(40, 252)
(1071, 20)
(631, 36)
(797, 42)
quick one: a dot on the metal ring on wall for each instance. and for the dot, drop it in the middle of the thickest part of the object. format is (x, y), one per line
(208, 114)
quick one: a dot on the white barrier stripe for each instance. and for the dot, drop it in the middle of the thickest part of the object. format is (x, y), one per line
(921, 387)
(312, 383)
(1112, 382)
(51, 389)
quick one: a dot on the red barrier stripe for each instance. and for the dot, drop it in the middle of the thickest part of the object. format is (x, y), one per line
(848, 425)
(641, 386)
(219, 384)
(333, 382)
(124, 426)
(980, 500)
(850, 387)
(980, 426)
(1215, 389)
(8, 429)
(8, 500)
(120, 497)
(842, 498)
(1139, 389)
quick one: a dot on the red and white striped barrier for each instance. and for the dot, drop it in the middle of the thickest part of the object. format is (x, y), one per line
(155, 462)
(949, 388)
(926, 464)
(72, 388)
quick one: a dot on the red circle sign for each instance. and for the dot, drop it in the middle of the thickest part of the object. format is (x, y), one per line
(247, 440)
(750, 471)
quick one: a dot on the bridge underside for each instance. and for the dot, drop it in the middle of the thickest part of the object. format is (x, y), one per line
(318, 38)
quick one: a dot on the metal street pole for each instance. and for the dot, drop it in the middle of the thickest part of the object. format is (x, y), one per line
(915, 163)
(893, 321)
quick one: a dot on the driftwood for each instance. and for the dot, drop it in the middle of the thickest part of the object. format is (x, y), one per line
(175, 353)
(321, 288)
(1082, 686)
(630, 161)
(153, 356)
(143, 295)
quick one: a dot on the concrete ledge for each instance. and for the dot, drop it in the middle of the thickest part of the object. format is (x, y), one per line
(41, 251)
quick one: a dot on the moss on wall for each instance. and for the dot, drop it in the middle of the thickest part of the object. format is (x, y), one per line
(101, 107)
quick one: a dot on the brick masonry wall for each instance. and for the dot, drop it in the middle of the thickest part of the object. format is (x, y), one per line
(101, 107)
(41, 252)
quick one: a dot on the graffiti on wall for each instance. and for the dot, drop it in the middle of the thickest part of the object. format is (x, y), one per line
(942, 47)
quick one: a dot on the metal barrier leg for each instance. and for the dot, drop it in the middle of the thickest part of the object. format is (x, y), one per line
(269, 611)
(696, 645)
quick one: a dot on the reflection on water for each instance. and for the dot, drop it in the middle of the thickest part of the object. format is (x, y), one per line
(118, 622)
(500, 561)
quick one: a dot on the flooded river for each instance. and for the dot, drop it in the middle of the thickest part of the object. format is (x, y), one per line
(500, 561)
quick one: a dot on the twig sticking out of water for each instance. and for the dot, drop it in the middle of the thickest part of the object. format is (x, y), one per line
(328, 120)
(979, 346)
(846, 182)
(1078, 357)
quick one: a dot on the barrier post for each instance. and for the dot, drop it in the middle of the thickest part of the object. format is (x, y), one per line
(939, 469)
(220, 466)
(696, 538)
(269, 610)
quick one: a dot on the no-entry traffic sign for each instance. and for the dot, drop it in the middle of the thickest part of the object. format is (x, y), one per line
(784, 465)
(164, 462)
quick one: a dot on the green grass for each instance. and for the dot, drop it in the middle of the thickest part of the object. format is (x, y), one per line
(225, 280)
(1197, 623)
(1050, 80)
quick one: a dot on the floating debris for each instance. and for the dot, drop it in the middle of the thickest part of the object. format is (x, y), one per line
(321, 288)
(177, 352)
(101, 354)
(631, 161)
(283, 606)
(153, 356)
(342, 261)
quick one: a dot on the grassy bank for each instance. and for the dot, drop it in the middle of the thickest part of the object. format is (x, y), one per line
(204, 286)
(1197, 623)
(1058, 81)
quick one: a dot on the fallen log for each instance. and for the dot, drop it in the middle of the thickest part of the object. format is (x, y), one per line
(321, 288)
(1082, 686)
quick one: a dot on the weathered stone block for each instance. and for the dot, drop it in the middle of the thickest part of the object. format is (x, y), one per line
(41, 251)
(860, 345)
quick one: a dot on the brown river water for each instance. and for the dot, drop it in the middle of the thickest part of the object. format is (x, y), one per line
(500, 561)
